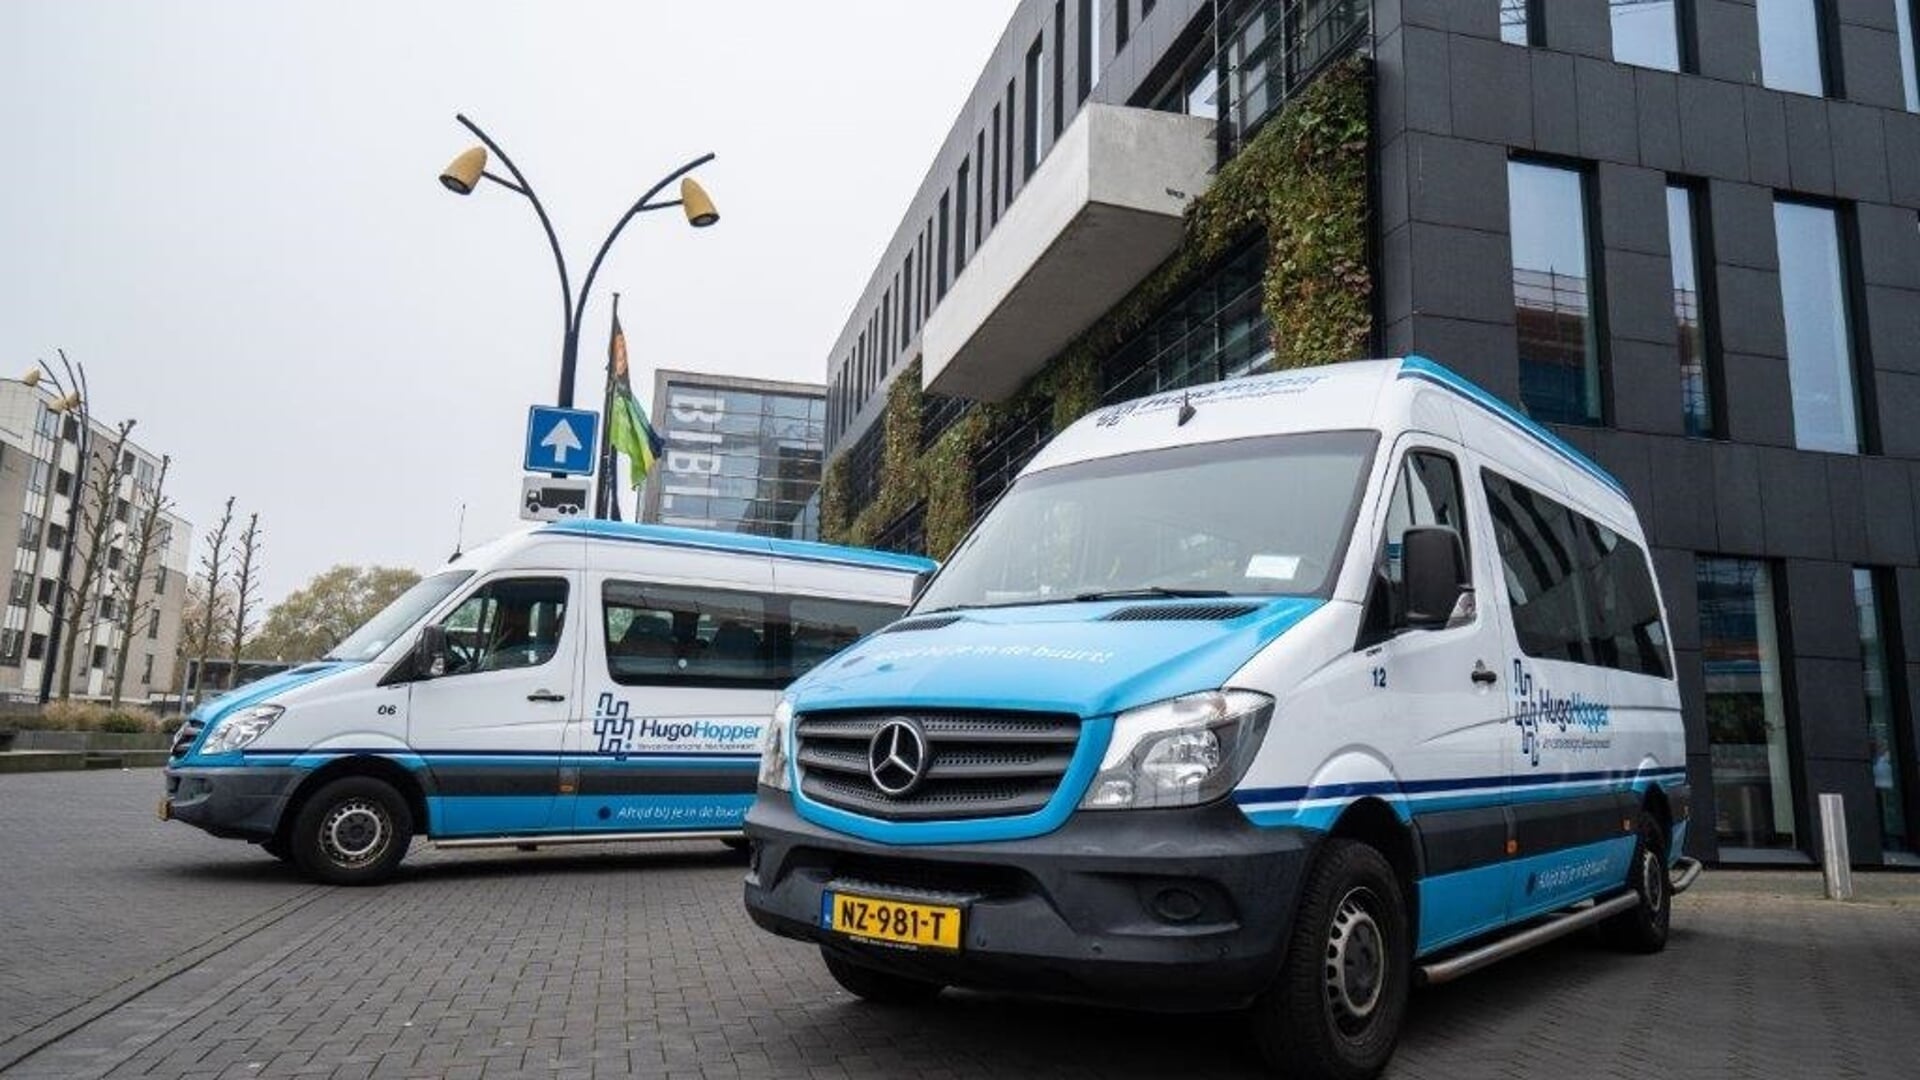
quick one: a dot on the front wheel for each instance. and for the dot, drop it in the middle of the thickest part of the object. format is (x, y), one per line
(353, 831)
(1336, 1008)
(1642, 928)
(877, 986)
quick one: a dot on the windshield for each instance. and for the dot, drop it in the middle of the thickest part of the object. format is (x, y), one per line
(396, 618)
(1264, 516)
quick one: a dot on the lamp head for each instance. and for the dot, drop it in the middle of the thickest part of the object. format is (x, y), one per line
(463, 174)
(697, 204)
(31, 378)
(66, 404)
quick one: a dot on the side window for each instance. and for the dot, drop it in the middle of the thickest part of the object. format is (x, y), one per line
(1623, 611)
(513, 623)
(1578, 590)
(664, 635)
(1426, 492)
(1534, 535)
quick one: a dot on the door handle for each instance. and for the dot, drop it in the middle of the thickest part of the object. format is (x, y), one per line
(546, 695)
(1484, 675)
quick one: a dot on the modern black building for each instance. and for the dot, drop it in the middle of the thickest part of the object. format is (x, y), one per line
(742, 455)
(1685, 233)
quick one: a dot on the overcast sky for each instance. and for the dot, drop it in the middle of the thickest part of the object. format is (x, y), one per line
(229, 213)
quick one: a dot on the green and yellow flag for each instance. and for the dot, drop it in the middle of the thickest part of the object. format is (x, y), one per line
(627, 427)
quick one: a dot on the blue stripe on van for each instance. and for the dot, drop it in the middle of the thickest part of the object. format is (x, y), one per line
(804, 550)
(1253, 796)
(1420, 367)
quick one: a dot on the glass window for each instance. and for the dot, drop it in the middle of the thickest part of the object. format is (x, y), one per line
(671, 635)
(1059, 66)
(1814, 296)
(37, 475)
(1646, 32)
(512, 623)
(1791, 46)
(1175, 519)
(1426, 493)
(1903, 19)
(961, 185)
(1089, 55)
(1753, 789)
(1535, 538)
(1552, 265)
(1517, 22)
(1624, 628)
(1882, 685)
(1036, 98)
(37, 646)
(1696, 390)
(1120, 27)
(399, 616)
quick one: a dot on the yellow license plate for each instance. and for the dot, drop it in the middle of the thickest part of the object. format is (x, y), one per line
(892, 922)
(166, 810)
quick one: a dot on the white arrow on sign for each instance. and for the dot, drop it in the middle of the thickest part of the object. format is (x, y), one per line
(563, 441)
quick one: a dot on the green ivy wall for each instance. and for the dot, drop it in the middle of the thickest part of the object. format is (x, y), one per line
(1302, 182)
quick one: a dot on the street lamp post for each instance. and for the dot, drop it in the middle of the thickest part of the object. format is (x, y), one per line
(65, 401)
(465, 173)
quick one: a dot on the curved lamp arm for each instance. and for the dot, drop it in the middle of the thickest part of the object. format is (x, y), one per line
(644, 203)
(524, 188)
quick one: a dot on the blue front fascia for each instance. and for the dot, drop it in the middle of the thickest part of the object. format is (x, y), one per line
(212, 713)
(1053, 658)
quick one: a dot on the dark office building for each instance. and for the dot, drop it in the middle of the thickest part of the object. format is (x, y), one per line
(1683, 233)
(742, 455)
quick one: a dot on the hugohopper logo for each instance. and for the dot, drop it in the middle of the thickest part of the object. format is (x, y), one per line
(1550, 722)
(620, 734)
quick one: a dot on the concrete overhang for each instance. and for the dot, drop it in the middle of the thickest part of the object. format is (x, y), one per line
(1102, 211)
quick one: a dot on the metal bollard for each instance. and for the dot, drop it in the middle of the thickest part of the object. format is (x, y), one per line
(1833, 847)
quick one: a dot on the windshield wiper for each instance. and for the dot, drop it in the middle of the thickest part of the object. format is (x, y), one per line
(1153, 591)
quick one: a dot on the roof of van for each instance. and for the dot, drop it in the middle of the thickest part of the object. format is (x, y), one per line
(675, 536)
(1356, 395)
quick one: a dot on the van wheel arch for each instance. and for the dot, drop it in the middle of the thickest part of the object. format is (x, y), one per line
(1656, 804)
(1374, 823)
(401, 779)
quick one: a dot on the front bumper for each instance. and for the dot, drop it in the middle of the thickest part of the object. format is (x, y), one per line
(1176, 910)
(243, 802)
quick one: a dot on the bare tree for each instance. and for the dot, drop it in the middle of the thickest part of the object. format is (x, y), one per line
(213, 564)
(99, 494)
(134, 604)
(246, 592)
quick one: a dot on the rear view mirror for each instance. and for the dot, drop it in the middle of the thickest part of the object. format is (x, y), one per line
(1433, 567)
(430, 653)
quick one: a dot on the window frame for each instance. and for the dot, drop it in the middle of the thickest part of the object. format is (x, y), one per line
(1592, 239)
(1712, 355)
(447, 612)
(1380, 604)
(772, 606)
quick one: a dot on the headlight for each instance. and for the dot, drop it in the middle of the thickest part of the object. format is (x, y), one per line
(241, 729)
(1181, 752)
(773, 748)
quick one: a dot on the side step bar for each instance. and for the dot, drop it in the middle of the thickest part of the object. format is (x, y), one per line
(555, 840)
(1558, 926)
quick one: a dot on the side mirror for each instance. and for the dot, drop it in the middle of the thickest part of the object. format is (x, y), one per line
(1433, 574)
(430, 653)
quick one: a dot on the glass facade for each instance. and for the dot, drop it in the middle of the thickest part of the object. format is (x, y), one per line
(1881, 684)
(1553, 313)
(1517, 22)
(738, 459)
(1791, 44)
(1753, 789)
(1216, 331)
(1696, 391)
(1903, 21)
(1646, 33)
(1814, 296)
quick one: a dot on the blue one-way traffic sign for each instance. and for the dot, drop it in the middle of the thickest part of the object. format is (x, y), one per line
(561, 440)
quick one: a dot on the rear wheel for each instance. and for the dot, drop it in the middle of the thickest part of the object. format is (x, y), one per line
(877, 986)
(1336, 1008)
(1643, 927)
(353, 831)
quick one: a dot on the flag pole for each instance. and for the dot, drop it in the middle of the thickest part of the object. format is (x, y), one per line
(607, 487)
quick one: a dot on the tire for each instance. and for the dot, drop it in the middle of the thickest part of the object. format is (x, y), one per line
(1336, 1008)
(353, 831)
(877, 987)
(1643, 928)
(276, 846)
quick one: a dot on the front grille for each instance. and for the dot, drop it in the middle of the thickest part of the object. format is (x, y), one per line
(978, 764)
(183, 739)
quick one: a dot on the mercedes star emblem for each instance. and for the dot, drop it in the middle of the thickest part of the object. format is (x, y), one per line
(897, 757)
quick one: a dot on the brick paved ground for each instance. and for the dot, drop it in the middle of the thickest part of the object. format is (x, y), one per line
(132, 948)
